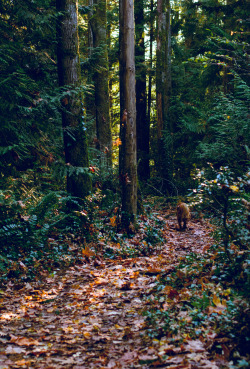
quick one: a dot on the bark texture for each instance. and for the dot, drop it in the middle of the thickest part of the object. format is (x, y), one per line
(128, 157)
(75, 142)
(98, 29)
(151, 38)
(142, 124)
(163, 90)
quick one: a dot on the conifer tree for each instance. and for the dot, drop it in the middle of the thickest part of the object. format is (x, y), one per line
(142, 124)
(75, 141)
(163, 90)
(127, 162)
(98, 46)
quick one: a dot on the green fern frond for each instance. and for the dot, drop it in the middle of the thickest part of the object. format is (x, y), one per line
(47, 203)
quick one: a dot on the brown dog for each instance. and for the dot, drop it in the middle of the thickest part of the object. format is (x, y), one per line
(183, 215)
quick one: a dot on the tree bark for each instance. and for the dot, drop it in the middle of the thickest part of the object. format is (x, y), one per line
(151, 37)
(142, 124)
(98, 24)
(127, 157)
(163, 91)
(69, 74)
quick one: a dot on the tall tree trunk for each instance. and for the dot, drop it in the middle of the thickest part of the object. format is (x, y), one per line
(168, 83)
(163, 91)
(151, 37)
(169, 130)
(142, 124)
(109, 27)
(90, 97)
(127, 159)
(160, 78)
(98, 24)
(69, 73)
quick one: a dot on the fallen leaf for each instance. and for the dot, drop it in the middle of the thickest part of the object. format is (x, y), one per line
(87, 252)
(23, 341)
(194, 346)
(14, 350)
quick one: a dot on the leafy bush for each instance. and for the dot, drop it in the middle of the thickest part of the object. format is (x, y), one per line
(41, 231)
(225, 197)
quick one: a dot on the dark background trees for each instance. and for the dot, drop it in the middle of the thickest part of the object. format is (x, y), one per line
(28, 80)
(192, 84)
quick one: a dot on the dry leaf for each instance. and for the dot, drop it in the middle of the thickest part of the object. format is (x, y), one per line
(24, 341)
(87, 252)
(194, 346)
(14, 350)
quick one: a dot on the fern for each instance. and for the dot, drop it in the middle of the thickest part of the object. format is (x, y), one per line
(45, 206)
(228, 134)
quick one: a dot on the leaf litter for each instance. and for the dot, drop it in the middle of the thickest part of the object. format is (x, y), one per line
(91, 315)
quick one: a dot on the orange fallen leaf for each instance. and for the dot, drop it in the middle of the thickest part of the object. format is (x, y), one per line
(87, 252)
(24, 341)
(216, 300)
(113, 221)
(86, 334)
(101, 281)
(23, 362)
(170, 292)
(219, 305)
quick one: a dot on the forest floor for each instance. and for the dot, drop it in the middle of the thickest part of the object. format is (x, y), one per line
(90, 315)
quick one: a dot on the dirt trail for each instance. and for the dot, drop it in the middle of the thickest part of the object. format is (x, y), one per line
(90, 316)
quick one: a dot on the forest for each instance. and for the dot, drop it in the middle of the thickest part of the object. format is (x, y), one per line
(124, 184)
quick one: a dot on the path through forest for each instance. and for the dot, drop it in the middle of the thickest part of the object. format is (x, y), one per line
(89, 316)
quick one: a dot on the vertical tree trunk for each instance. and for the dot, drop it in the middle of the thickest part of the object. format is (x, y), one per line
(168, 83)
(160, 77)
(127, 168)
(98, 24)
(167, 101)
(151, 36)
(142, 124)
(163, 90)
(110, 62)
(75, 142)
(90, 97)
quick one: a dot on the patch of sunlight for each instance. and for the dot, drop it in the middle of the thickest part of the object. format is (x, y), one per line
(8, 316)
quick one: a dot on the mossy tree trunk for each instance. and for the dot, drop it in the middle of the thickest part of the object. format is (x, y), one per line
(128, 157)
(98, 25)
(75, 142)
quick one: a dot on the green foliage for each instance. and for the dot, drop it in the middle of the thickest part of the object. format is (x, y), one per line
(153, 231)
(224, 195)
(28, 76)
(37, 231)
(227, 134)
(210, 88)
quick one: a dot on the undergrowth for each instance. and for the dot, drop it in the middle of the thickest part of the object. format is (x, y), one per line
(197, 302)
(40, 232)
